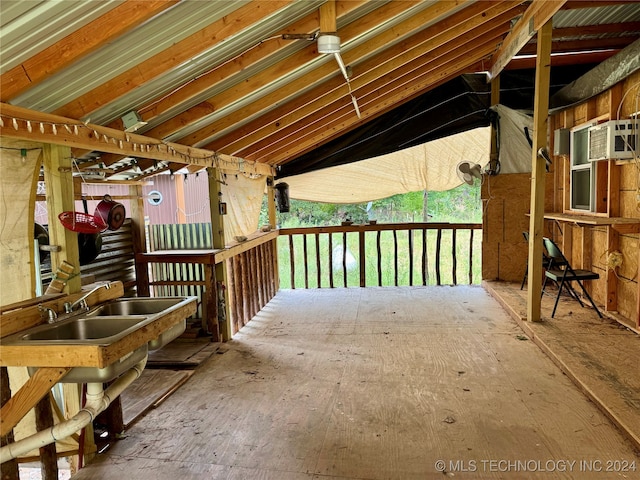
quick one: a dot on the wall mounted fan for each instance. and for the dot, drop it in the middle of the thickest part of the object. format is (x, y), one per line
(329, 43)
(469, 171)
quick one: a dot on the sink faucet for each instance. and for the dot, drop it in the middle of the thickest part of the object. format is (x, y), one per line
(52, 316)
(82, 301)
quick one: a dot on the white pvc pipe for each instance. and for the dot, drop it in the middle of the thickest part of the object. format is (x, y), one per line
(98, 400)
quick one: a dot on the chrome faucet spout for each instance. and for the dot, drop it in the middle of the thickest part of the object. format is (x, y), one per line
(82, 301)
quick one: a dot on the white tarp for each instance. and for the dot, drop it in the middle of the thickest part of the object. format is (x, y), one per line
(243, 196)
(430, 166)
(515, 151)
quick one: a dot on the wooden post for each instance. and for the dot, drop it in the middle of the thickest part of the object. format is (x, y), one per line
(58, 177)
(271, 202)
(48, 456)
(362, 257)
(536, 222)
(223, 332)
(139, 238)
(8, 470)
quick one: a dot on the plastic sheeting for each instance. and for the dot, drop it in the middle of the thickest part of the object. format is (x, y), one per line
(243, 196)
(514, 147)
(430, 166)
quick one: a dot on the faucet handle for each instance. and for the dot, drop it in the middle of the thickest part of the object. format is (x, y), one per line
(51, 313)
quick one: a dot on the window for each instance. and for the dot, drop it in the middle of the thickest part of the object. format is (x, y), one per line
(583, 173)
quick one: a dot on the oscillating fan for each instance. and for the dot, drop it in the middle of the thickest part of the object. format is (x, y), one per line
(469, 171)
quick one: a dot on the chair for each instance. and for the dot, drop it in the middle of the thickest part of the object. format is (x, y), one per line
(545, 260)
(560, 270)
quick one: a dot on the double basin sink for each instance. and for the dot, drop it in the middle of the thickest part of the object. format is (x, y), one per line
(105, 325)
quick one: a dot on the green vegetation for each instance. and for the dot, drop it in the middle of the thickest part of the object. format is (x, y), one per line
(459, 205)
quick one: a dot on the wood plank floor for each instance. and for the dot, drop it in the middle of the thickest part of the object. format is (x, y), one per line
(374, 383)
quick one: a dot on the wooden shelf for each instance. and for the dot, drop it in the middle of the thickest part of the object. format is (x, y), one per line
(622, 225)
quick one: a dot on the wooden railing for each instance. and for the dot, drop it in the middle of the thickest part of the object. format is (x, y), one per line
(251, 278)
(382, 255)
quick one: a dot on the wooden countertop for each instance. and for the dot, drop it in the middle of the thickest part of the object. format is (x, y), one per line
(623, 225)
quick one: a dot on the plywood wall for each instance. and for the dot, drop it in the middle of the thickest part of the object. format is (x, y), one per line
(506, 201)
(590, 247)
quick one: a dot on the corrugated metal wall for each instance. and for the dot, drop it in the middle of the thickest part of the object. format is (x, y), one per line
(195, 208)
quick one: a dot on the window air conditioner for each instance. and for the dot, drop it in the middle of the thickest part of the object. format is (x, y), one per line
(614, 139)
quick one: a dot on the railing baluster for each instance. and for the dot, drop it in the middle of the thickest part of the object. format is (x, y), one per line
(471, 256)
(363, 258)
(395, 257)
(306, 262)
(424, 256)
(344, 258)
(330, 261)
(239, 295)
(319, 271)
(438, 241)
(454, 267)
(379, 257)
(410, 234)
(292, 262)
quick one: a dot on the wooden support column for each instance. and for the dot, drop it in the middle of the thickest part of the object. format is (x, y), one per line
(271, 202)
(139, 237)
(536, 223)
(179, 181)
(8, 470)
(48, 456)
(221, 332)
(58, 177)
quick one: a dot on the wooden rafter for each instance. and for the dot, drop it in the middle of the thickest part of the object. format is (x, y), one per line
(378, 43)
(537, 14)
(383, 85)
(460, 25)
(377, 72)
(78, 44)
(169, 58)
(617, 43)
(287, 65)
(375, 104)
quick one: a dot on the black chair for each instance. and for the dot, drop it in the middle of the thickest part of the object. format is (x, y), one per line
(560, 271)
(545, 260)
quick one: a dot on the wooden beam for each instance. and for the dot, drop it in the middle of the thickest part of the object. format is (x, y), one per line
(18, 122)
(78, 44)
(538, 169)
(538, 13)
(328, 22)
(28, 396)
(586, 45)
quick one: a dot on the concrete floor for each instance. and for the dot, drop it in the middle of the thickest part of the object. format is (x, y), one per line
(375, 383)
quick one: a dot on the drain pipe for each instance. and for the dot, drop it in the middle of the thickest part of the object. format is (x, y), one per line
(98, 400)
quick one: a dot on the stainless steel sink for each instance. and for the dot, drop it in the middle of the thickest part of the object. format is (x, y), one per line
(147, 306)
(137, 306)
(103, 326)
(81, 329)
